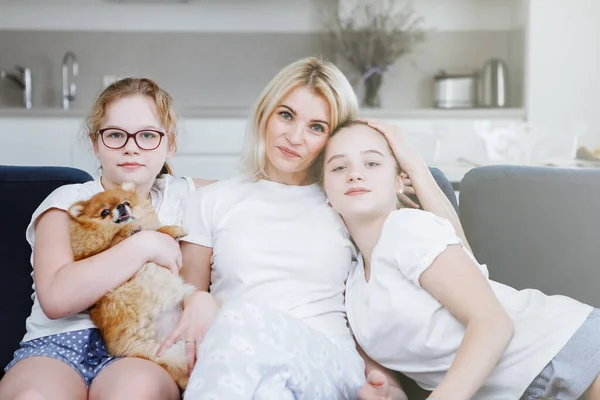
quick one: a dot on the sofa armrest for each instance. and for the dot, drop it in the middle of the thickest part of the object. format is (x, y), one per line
(23, 188)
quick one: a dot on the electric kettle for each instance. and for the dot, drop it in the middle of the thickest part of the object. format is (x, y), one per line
(493, 86)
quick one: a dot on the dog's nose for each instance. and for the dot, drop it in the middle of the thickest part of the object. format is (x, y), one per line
(121, 209)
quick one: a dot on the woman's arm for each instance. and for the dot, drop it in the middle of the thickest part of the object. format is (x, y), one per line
(65, 287)
(196, 265)
(200, 307)
(458, 284)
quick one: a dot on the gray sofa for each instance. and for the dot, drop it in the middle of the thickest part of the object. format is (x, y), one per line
(534, 227)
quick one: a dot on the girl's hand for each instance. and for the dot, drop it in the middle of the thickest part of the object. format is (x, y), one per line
(199, 311)
(408, 158)
(160, 248)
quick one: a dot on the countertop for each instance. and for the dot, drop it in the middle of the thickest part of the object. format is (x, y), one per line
(215, 112)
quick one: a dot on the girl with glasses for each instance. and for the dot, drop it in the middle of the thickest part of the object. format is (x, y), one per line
(132, 129)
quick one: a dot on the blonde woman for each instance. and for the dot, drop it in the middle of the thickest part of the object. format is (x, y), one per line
(271, 250)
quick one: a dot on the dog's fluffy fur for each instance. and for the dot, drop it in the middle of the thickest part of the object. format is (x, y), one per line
(136, 317)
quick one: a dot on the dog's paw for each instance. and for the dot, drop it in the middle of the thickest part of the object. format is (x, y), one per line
(130, 230)
(125, 232)
(134, 229)
(176, 232)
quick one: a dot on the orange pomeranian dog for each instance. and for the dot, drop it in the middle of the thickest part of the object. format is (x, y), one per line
(136, 317)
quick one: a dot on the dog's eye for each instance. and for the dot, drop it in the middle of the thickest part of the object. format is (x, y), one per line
(127, 204)
(104, 213)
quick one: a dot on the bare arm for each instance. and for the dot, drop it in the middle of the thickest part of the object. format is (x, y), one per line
(434, 200)
(202, 182)
(459, 286)
(196, 265)
(199, 307)
(65, 287)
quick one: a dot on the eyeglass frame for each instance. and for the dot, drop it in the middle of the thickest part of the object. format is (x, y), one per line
(129, 136)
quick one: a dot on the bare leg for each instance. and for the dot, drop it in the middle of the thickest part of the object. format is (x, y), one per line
(133, 378)
(593, 392)
(42, 378)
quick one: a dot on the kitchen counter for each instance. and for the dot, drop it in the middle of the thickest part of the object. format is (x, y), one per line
(211, 139)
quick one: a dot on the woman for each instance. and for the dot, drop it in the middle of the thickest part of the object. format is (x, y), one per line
(277, 256)
(418, 302)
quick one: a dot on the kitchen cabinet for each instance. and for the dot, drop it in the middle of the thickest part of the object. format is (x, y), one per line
(210, 146)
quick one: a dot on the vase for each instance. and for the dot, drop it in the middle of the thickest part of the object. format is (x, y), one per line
(371, 87)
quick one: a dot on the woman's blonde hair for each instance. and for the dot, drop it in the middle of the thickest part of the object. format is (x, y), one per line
(128, 87)
(323, 78)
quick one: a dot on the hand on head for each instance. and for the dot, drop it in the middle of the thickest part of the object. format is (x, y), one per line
(408, 158)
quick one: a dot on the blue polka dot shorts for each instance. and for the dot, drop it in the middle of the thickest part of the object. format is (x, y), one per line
(83, 350)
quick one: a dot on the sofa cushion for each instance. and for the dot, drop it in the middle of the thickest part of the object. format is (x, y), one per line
(536, 227)
(23, 189)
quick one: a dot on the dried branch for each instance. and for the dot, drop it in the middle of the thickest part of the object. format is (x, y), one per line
(376, 34)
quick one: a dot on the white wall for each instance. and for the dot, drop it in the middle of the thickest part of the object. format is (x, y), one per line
(233, 15)
(563, 66)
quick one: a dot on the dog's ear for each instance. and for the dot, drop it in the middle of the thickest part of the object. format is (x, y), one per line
(128, 186)
(76, 209)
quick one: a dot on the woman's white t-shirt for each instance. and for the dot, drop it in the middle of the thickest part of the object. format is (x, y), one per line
(403, 327)
(168, 199)
(275, 244)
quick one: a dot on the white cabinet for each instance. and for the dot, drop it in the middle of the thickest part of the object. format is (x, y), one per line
(37, 141)
(207, 148)
(210, 147)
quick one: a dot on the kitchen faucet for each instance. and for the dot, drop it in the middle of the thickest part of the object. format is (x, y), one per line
(68, 79)
(23, 80)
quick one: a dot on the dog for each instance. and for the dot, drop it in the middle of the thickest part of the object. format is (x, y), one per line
(135, 318)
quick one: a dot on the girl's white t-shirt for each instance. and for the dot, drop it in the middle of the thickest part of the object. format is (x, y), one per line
(168, 194)
(404, 328)
(275, 244)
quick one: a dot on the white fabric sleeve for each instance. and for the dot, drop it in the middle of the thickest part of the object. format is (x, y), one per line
(175, 193)
(190, 182)
(419, 237)
(198, 218)
(61, 198)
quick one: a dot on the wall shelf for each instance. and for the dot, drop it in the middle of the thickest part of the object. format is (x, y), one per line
(436, 113)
